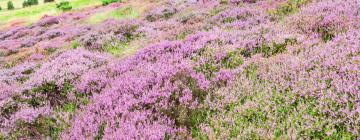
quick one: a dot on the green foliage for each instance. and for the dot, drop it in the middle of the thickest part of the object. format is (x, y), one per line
(51, 92)
(326, 34)
(119, 14)
(10, 64)
(287, 8)
(251, 72)
(229, 20)
(107, 2)
(64, 6)
(275, 48)
(10, 5)
(28, 3)
(216, 10)
(46, 1)
(224, 2)
(49, 51)
(208, 69)
(75, 44)
(116, 50)
(183, 35)
(233, 59)
(8, 109)
(42, 127)
(168, 13)
(0, 8)
(70, 107)
(101, 132)
(196, 117)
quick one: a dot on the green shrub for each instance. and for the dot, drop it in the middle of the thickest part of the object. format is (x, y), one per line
(10, 5)
(28, 3)
(107, 2)
(64, 6)
(25, 4)
(46, 1)
(0, 8)
(34, 2)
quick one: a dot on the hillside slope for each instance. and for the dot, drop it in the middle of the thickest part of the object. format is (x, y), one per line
(229, 69)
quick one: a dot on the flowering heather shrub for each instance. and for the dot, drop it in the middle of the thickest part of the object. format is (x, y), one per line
(166, 30)
(115, 32)
(301, 102)
(325, 20)
(164, 11)
(241, 18)
(18, 74)
(47, 87)
(170, 88)
(76, 62)
(94, 81)
(302, 99)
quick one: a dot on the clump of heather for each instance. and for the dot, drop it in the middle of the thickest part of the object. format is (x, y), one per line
(299, 94)
(292, 96)
(77, 62)
(170, 88)
(18, 74)
(241, 17)
(325, 20)
(44, 90)
(109, 34)
(165, 11)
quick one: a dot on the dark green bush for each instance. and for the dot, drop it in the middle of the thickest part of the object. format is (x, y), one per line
(107, 2)
(10, 5)
(64, 6)
(46, 1)
(0, 8)
(28, 3)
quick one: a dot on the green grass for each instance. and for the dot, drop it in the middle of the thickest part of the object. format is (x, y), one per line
(120, 13)
(122, 49)
(31, 14)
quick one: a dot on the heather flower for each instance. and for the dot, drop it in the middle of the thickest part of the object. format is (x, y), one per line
(241, 18)
(162, 12)
(76, 62)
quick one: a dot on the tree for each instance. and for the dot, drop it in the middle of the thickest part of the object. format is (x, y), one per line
(10, 5)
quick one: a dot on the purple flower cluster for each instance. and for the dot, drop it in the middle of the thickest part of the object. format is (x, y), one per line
(144, 90)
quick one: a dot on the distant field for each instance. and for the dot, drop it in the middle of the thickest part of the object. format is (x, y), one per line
(31, 14)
